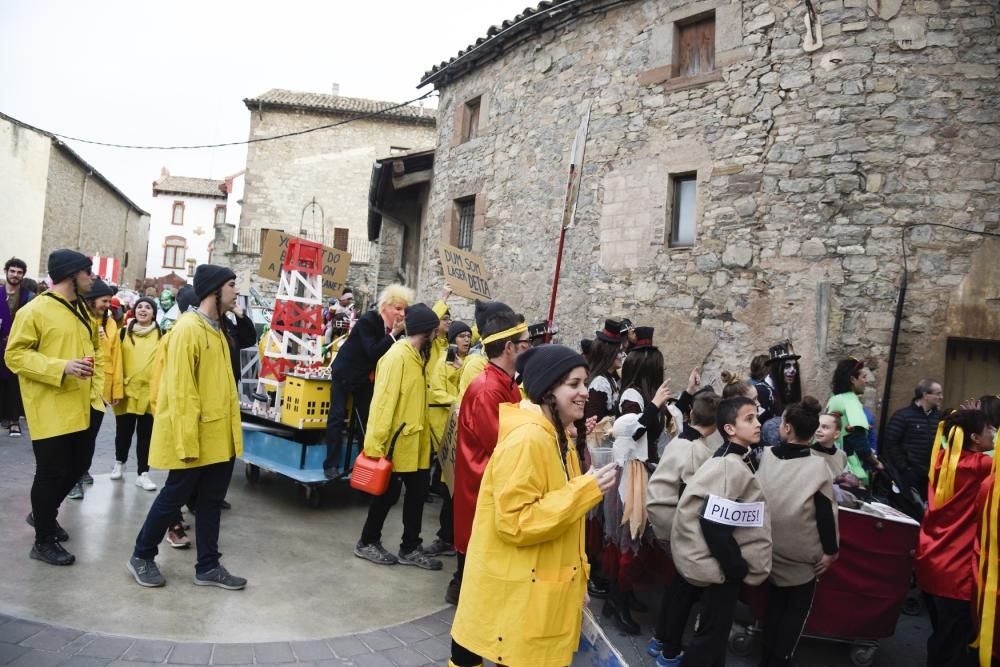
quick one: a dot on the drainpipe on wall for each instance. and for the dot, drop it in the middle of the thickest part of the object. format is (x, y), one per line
(83, 199)
(125, 257)
(887, 392)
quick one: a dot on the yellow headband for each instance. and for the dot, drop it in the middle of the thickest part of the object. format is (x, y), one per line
(520, 328)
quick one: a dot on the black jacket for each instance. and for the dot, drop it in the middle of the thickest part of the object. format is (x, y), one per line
(241, 334)
(908, 439)
(356, 359)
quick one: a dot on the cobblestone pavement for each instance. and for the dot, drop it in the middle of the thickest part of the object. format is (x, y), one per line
(34, 643)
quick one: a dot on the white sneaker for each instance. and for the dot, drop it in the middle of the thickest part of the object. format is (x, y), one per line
(116, 472)
(145, 482)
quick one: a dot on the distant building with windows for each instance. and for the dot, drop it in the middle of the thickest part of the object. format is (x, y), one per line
(184, 215)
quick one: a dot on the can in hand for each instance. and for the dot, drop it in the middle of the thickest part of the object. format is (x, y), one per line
(90, 362)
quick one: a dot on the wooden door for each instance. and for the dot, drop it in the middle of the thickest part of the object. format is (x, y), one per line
(972, 369)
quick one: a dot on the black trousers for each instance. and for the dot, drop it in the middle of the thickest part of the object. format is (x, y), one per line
(11, 407)
(708, 647)
(463, 657)
(339, 395)
(446, 532)
(96, 419)
(125, 426)
(211, 483)
(417, 484)
(952, 631)
(678, 601)
(60, 461)
(788, 609)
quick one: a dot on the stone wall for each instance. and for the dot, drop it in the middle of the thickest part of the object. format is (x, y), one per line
(83, 213)
(334, 166)
(808, 167)
(24, 166)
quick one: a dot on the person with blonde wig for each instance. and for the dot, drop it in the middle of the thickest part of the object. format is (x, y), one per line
(353, 369)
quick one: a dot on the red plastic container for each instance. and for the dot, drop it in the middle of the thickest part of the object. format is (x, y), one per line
(371, 475)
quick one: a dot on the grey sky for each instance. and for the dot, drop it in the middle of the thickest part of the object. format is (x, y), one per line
(176, 73)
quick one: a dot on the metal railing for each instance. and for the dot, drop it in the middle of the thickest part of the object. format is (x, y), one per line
(248, 241)
(360, 250)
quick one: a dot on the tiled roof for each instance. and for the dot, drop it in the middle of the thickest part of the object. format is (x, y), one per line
(527, 24)
(206, 187)
(323, 103)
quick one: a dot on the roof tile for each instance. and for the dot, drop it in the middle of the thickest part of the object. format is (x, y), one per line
(324, 103)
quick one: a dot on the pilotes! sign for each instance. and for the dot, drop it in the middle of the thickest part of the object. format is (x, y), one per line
(335, 262)
(465, 273)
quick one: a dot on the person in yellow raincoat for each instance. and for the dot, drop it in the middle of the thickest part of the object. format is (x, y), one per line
(55, 352)
(439, 345)
(526, 570)
(137, 353)
(444, 378)
(196, 432)
(98, 302)
(397, 428)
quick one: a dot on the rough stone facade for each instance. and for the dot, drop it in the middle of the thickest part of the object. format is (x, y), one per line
(809, 165)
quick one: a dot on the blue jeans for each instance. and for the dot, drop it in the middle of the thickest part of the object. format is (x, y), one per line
(210, 483)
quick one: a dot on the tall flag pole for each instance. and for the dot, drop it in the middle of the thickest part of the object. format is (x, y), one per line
(569, 210)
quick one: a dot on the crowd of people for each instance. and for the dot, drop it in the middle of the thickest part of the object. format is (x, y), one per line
(564, 474)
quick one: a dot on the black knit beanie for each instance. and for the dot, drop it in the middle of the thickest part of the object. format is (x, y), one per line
(545, 365)
(186, 298)
(64, 263)
(457, 328)
(209, 277)
(151, 301)
(420, 319)
(487, 309)
(98, 289)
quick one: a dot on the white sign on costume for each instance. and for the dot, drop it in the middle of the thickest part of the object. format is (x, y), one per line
(731, 513)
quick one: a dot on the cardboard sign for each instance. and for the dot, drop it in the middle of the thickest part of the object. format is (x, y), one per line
(272, 256)
(731, 513)
(465, 273)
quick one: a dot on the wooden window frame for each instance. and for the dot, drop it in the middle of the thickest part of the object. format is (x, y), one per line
(167, 246)
(685, 27)
(675, 209)
(215, 216)
(173, 214)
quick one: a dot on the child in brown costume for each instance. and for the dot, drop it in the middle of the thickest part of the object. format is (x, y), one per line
(799, 491)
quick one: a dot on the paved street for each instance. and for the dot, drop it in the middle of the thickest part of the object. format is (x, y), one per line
(309, 600)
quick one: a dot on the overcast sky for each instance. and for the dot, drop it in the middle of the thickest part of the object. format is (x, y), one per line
(176, 73)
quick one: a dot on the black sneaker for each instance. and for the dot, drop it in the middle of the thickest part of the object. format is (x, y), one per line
(145, 572)
(220, 577)
(376, 553)
(61, 535)
(453, 591)
(86, 479)
(76, 493)
(440, 548)
(52, 553)
(420, 559)
(225, 505)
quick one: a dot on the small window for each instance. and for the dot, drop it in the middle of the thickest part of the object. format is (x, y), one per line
(174, 249)
(685, 194)
(470, 123)
(220, 215)
(466, 219)
(696, 46)
(177, 217)
(341, 237)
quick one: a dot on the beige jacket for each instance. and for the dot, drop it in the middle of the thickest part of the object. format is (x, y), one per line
(789, 485)
(680, 460)
(726, 477)
(836, 462)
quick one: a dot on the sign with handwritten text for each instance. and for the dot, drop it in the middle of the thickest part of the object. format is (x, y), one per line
(465, 273)
(272, 256)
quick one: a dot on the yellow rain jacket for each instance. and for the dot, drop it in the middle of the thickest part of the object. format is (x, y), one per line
(47, 332)
(472, 367)
(137, 357)
(526, 570)
(399, 410)
(439, 346)
(107, 332)
(197, 410)
(444, 380)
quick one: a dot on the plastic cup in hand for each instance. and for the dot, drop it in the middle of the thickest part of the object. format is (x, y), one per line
(601, 456)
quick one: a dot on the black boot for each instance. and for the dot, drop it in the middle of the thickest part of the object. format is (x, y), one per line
(635, 604)
(597, 588)
(52, 553)
(614, 607)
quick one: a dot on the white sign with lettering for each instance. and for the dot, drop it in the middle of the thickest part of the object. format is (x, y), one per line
(731, 513)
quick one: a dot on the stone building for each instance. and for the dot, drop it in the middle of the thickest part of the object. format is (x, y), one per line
(751, 168)
(52, 198)
(185, 213)
(316, 185)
